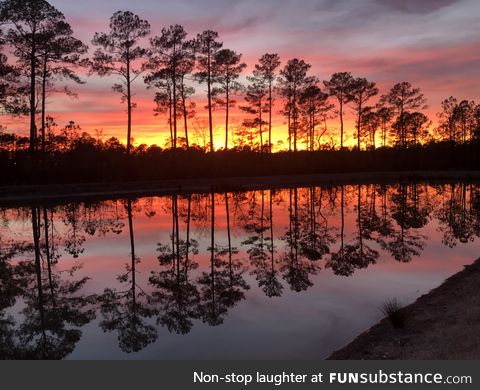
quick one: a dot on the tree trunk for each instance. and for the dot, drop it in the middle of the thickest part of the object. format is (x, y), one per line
(341, 122)
(33, 68)
(270, 107)
(170, 116)
(261, 125)
(227, 101)
(129, 109)
(209, 92)
(44, 103)
(359, 125)
(174, 84)
(185, 113)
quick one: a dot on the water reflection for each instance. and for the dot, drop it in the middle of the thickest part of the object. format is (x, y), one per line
(204, 254)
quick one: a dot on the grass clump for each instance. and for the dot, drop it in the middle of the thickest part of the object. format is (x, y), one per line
(392, 309)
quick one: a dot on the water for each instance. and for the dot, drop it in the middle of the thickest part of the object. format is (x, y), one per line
(272, 274)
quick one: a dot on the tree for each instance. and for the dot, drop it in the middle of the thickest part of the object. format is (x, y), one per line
(207, 46)
(464, 114)
(447, 128)
(403, 98)
(264, 72)
(172, 56)
(339, 86)
(30, 19)
(416, 125)
(12, 93)
(118, 54)
(256, 98)
(293, 80)
(314, 108)
(385, 116)
(360, 93)
(371, 121)
(162, 82)
(11, 97)
(59, 51)
(228, 67)
(458, 121)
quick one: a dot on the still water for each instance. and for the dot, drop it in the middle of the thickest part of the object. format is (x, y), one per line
(272, 274)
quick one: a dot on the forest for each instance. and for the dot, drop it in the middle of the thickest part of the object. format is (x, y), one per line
(41, 59)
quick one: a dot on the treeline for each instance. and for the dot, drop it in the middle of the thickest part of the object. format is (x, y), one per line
(172, 64)
(89, 163)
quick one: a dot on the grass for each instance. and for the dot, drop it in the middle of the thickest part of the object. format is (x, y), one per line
(392, 309)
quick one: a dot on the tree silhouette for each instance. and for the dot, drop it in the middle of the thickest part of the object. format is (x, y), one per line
(402, 98)
(384, 115)
(293, 80)
(228, 67)
(172, 56)
(59, 52)
(13, 99)
(415, 126)
(264, 72)
(256, 98)
(458, 121)
(371, 122)
(207, 46)
(161, 81)
(314, 108)
(118, 53)
(361, 91)
(30, 20)
(339, 86)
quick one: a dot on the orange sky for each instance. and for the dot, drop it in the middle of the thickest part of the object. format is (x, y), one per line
(433, 44)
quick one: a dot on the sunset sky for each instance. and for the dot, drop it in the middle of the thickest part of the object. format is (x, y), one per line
(435, 44)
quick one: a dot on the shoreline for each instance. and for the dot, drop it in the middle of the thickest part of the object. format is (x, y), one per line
(25, 194)
(443, 324)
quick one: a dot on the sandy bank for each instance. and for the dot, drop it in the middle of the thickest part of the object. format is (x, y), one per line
(443, 324)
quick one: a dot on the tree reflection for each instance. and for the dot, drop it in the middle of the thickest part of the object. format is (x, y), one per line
(261, 250)
(459, 215)
(212, 243)
(295, 268)
(405, 242)
(55, 310)
(126, 311)
(357, 254)
(223, 287)
(176, 297)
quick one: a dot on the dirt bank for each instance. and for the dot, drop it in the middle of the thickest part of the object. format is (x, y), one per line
(443, 324)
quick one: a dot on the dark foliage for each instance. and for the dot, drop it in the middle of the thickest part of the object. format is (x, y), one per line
(89, 162)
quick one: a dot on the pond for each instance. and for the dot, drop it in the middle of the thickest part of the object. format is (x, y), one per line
(267, 274)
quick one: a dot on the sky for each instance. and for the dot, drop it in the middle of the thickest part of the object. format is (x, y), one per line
(434, 44)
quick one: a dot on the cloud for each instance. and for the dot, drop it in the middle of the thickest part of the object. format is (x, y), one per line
(416, 6)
